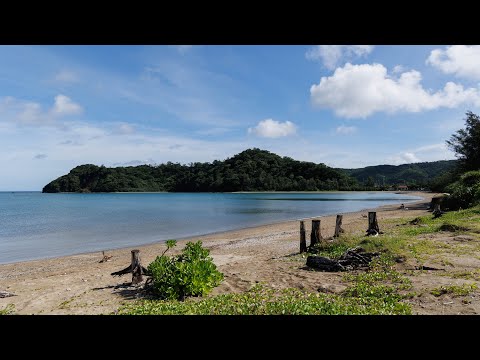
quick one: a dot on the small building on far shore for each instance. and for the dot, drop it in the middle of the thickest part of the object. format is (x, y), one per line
(402, 187)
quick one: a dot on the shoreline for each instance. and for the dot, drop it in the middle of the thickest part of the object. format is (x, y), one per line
(80, 284)
(422, 195)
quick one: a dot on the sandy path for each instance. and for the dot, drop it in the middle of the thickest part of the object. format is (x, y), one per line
(79, 284)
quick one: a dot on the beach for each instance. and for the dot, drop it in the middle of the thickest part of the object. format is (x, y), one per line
(81, 284)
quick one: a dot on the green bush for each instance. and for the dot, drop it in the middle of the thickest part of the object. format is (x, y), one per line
(465, 192)
(192, 273)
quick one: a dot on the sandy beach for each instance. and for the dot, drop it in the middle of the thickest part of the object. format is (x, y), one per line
(80, 284)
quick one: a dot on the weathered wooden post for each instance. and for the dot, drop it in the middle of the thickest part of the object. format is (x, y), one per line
(303, 240)
(373, 228)
(338, 226)
(435, 204)
(315, 235)
(135, 268)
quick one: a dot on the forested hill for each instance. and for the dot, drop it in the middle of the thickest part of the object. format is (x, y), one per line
(418, 173)
(250, 170)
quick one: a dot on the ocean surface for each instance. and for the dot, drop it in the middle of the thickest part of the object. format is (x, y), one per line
(36, 226)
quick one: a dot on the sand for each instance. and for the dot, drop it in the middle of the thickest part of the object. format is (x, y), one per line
(80, 284)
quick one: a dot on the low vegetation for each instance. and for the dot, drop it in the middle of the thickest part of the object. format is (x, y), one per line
(192, 273)
(382, 289)
(454, 290)
(8, 310)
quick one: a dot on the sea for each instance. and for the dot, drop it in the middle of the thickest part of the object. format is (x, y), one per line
(34, 225)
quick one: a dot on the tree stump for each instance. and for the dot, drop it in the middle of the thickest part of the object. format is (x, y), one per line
(373, 228)
(135, 268)
(303, 241)
(315, 235)
(437, 212)
(338, 226)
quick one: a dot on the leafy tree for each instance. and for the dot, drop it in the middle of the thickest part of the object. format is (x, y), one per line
(466, 143)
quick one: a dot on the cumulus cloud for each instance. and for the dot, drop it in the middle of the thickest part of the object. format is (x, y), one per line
(423, 153)
(398, 69)
(460, 60)
(65, 106)
(31, 113)
(410, 157)
(358, 91)
(273, 129)
(345, 130)
(331, 55)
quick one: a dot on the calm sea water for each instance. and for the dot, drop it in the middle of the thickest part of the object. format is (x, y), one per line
(35, 225)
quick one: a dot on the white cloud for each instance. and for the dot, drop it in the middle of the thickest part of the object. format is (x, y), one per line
(136, 163)
(32, 113)
(273, 129)
(66, 76)
(410, 157)
(358, 91)
(432, 152)
(398, 69)
(65, 106)
(345, 130)
(331, 55)
(461, 60)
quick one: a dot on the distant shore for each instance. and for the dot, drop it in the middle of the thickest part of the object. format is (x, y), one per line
(79, 284)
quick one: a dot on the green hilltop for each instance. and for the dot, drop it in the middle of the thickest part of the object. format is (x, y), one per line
(250, 170)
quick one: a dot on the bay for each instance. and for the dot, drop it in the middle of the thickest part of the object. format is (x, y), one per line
(36, 226)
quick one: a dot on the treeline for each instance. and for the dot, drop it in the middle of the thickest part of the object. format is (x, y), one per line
(415, 176)
(250, 170)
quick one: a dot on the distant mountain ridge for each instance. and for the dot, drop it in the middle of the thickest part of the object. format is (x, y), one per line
(420, 173)
(250, 170)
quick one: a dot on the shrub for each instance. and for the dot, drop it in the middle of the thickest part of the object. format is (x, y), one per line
(465, 192)
(192, 273)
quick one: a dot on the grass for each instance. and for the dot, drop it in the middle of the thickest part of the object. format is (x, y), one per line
(380, 290)
(467, 275)
(8, 310)
(375, 292)
(261, 300)
(454, 290)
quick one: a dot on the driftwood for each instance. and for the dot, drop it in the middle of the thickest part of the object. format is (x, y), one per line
(303, 241)
(135, 268)
(105, 257)
(4, 294)
(338, 226)
(352, 259)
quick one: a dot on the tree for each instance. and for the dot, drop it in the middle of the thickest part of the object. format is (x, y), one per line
(466, 143)
(370, 182)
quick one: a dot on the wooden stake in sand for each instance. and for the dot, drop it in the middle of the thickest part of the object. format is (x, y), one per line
(303, 241)
(315, 235)
(373, 228)
(338, 226)
(135, 268)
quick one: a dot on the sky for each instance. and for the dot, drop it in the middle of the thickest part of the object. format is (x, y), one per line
(347, 106)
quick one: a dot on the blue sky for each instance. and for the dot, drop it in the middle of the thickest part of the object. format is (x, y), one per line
(346, 106)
